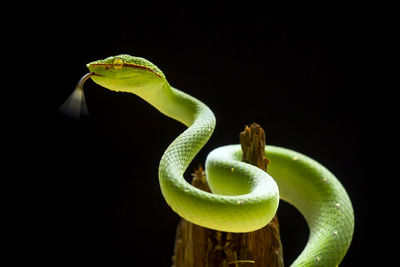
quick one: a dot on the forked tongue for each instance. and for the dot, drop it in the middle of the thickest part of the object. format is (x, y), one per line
(75, 105)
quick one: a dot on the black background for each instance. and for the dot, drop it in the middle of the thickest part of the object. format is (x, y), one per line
(292, 68)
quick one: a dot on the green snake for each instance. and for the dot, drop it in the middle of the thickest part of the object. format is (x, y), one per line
(244, 198)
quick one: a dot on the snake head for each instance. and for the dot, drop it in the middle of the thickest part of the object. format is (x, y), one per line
(125, 73)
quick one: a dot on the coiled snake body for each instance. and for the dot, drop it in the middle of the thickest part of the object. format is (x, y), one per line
(244, 197)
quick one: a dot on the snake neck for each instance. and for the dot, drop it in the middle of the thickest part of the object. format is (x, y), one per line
(200, 121)
(174, 103)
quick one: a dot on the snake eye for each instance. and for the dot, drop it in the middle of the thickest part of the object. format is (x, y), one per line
(117, 63)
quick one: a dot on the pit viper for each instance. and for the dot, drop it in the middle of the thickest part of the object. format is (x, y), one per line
(244, 198)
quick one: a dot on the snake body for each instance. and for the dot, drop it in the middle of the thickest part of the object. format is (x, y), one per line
(244, 198)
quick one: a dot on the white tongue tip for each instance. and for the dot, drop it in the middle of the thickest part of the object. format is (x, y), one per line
(75, 105)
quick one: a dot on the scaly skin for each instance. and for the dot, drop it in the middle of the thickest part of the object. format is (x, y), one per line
(244, 197)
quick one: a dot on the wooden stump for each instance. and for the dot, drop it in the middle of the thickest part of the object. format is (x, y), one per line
(196, 246)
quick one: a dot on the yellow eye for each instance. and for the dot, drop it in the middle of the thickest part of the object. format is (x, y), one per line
(117, 63)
